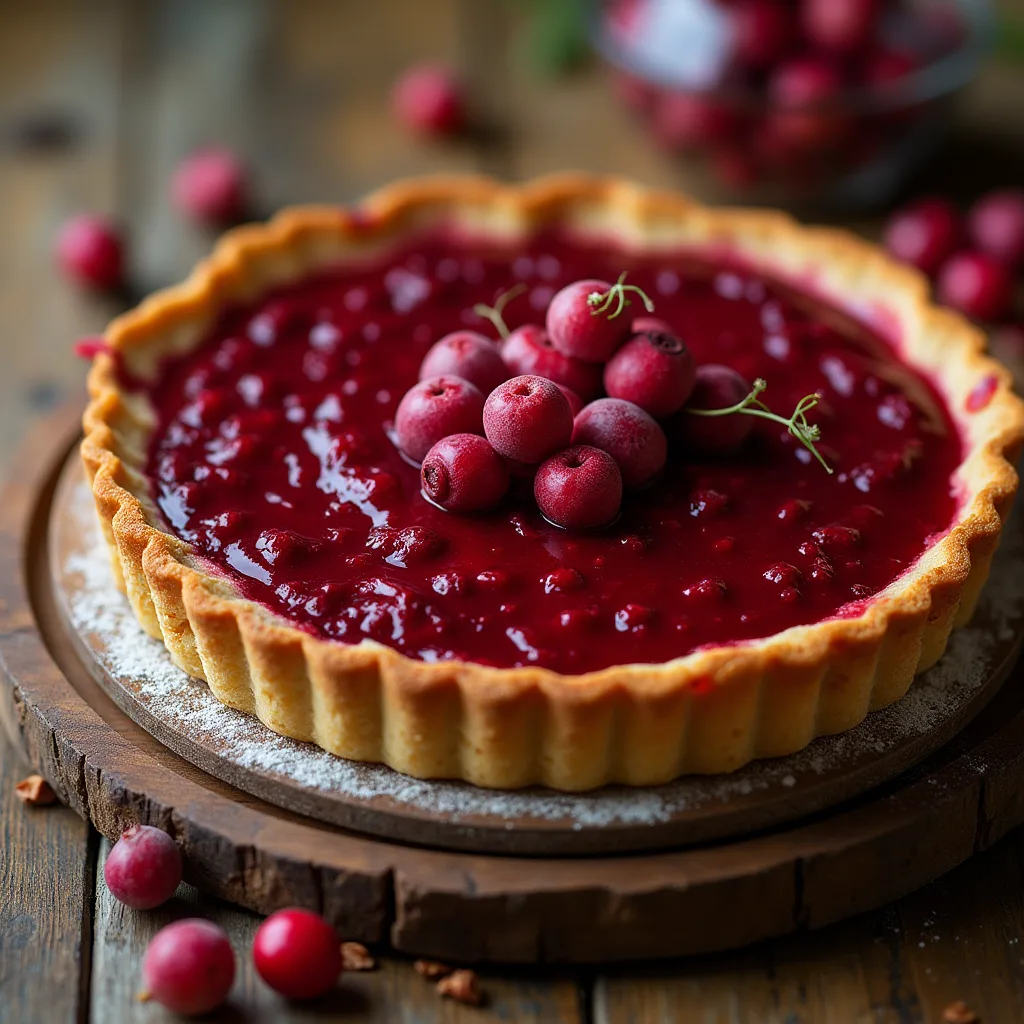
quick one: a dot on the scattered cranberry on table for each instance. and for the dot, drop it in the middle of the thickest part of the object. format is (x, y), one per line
(924, 233)
(210, 186)
(995, 224)
(297, 953)
(189, 967)
(144, 867)
(428, 101)
(90, 251)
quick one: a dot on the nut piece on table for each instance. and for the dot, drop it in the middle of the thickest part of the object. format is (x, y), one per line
(431, 969)
(959, 1013)
(356, 957)
(35, 791)
(461, 986)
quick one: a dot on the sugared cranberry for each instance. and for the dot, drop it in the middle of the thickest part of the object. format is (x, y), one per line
(574, 400)
(840, 25)
(577, 329)
(715, 387)
(144, 867)
(463, 473)
(975, 283)
(579, 488)
(428, 101)
(90, 250)
(210, 186)
(923, 233)
(528, 350)
(687, 121)
(297, 953)
(628, 434)
(763, 31)
(434, 409)
(996, 225)
(653, 370)
(527, 418)
(468, 355)
(802, 89)
(189, 967)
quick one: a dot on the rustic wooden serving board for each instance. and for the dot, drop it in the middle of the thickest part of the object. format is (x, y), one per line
(445, 904)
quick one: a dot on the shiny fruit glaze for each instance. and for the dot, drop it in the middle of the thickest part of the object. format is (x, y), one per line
(274, 457)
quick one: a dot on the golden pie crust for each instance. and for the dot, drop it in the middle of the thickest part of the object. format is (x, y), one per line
(710, 711)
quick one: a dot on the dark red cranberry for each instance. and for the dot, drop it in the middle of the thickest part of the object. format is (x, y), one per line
(528, 350)
(923, 233)
(576, 329)
(463, 473)
(763, 31)
(632, 618)
(527, 418)
(628, 434)
(803, 89)
(144, 867)
(996, 225)
(579, 488)
(297, 953)
(410, 545)
(90, 251)
(189, 967)
(574, 400)
(468, 355)
(210, 186)
(563, 581)
(648, 324)
(715, 387)
(975, 283)
(428, 101)
(434, 409)
(653, 370)
(840, 25)
(687, 121)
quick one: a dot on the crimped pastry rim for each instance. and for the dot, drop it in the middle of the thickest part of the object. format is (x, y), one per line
(177, 599)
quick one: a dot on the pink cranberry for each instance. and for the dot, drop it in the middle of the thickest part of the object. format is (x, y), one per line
(652, 370)
(434, 409)
(803, 89)
(144, 867)
(528, 350)
(976, 284)
(687, 121)
(579, 488)
(763, 31)
(297, 953)
(923, 233)
(628, 434)
(189, 967)
(576, 329)
(840, 25)
(90, 347)
(996, 225)
(468, 355)
(90, 251)
(647, 324)
(210, 186)
(716, 387)
(428, 101)
(527, 418)
(463, 473)
(574, 400)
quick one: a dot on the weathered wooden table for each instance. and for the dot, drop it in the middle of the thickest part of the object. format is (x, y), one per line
(97, 102)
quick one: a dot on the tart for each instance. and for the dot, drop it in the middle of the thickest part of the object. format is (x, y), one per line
(264, 526)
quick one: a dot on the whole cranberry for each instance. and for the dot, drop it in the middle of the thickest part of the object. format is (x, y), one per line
(579, 488)
(653, 370)
(297, 953)
(975, 283)
(90, 251)
(428, 101)
(528, 350)
(527, 418)
(716, 387)
(923, 233)
(840, 25)
(803, 90)
(763, 31)
(434, 409)
(574, 400)
(468, 355)
(210, 186)
(688, 121)
(463, 473)
(143, 868)
(577, 329)
(628, 434)
(646, 324)
(189, 967)
(996, 225)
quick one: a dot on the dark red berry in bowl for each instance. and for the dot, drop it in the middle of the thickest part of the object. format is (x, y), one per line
(575, 327)
(468, 355)
(686, 121)
(843, 26)
(763, 31)
(463, 473)
(189, 967)
(805, 91)
(210, 186)
(434, 409)
(579, 488)
(527, 418)
(428, 101)
(528, 350)
(297, 953)
(996, 225)
(716, 387)
(90, 251)
(574, 400)
(653, 370)
(628, 434)
(976, 284)
(923, 233)
(144, 867)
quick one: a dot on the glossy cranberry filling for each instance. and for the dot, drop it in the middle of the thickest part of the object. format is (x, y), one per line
(273, 457)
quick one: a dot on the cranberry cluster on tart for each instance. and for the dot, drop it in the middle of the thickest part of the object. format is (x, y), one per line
(267, 527)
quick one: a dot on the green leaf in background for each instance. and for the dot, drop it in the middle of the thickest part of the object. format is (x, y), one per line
(556, 36)
(1010, 39)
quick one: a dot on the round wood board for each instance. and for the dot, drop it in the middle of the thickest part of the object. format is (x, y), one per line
(439, 903)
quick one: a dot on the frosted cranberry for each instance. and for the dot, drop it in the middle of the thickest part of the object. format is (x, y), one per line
(763, 31)
(579, 488)
(463, 473)
(428, 101)
(715, 387)
(468, 355)
(210, 186)
(653, 370)
(647, 324)
(975, 283)
(90, 251)
(800, 89)
(434, 409)
(144, 867)
(996, 225)
(297, 953)
(628, 434)
(574, 400)
(686, 121)
(528, 350)
(923, 233)
(527, 418)
(841, 25)
(189, 967)
(576, 329)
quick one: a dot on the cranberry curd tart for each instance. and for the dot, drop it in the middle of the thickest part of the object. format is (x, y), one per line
(568, 483)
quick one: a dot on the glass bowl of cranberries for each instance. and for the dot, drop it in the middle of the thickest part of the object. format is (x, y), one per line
(830, 103)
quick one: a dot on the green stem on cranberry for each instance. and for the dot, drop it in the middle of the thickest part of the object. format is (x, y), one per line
(494, 313)
(797, 424)
(616, 296)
